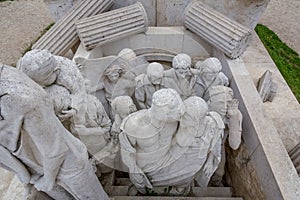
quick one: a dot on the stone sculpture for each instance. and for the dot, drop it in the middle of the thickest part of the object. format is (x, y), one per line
(36, 146)
(110, 78)
(94, 133)
(47, 69)
(196, 149)
(221, 101)
(136, 65)
(180, 77)
(146, 85)
(209, 74)
(147, 134)
(121, 106)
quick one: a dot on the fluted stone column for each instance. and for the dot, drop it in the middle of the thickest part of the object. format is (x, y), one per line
(62, 36)
(223, 33)
(295, 157)
(112, 25)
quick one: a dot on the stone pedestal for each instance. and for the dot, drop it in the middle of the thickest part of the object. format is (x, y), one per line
(223, 33)
(113, 25)
(62, 36)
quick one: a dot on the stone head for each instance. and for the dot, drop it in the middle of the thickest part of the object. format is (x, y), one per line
(113, 73)
(195, 110)
(220, 98)
(60, 97)
(209, 68)
(127, 54)
(41, 66)
(155, 73)
(182, 64)
(166, 105)
(123, 106)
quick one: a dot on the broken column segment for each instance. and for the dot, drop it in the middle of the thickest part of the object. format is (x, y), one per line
(267, 88)
(62, 36)
(223, 33)
(112, 25)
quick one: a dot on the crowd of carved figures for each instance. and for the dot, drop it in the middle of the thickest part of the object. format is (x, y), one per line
(163, 125)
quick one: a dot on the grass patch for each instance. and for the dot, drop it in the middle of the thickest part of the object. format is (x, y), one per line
(42, 33)
(5, 0)
(285, 58)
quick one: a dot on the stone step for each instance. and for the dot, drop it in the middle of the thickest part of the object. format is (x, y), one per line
(122, 190)
(220, 31)
(112, 25)
(62, 36)
(172, 198)
(211, 192)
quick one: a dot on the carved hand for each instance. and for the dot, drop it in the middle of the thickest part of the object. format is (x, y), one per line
(67, 114)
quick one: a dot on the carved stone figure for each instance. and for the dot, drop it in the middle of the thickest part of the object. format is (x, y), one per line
(37, 146)
(221, 101)
(136, 65)
(209, 74)
(180, 77)
(94, 133)
(147, 134)
(196, 149)
(146, 85)
(47, 69)
(110, 78)
(121, 106)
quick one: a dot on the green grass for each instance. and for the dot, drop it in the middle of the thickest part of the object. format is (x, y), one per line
(5, 0)
(285, 58)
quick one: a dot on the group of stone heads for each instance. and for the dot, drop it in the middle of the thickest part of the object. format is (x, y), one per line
(159, 118)
(172, 143)
(182, 77)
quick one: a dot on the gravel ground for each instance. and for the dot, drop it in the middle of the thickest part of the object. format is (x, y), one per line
(21, 22)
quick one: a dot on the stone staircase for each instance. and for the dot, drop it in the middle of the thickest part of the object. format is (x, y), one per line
(120, 188)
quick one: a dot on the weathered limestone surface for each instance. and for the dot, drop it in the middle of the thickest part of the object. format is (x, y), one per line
(295, 156)
(246, 12)
(149, 5)
(267, 88)
(285, 109)
(223, 33)
(113, 25)
(158, 43)
(274, 169)
(58, 8)
(62, 36)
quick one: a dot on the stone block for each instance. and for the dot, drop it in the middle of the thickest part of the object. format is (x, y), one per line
(149, 5)
(170, 13)
(62, 36)
(223, 33)
(113, 25)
